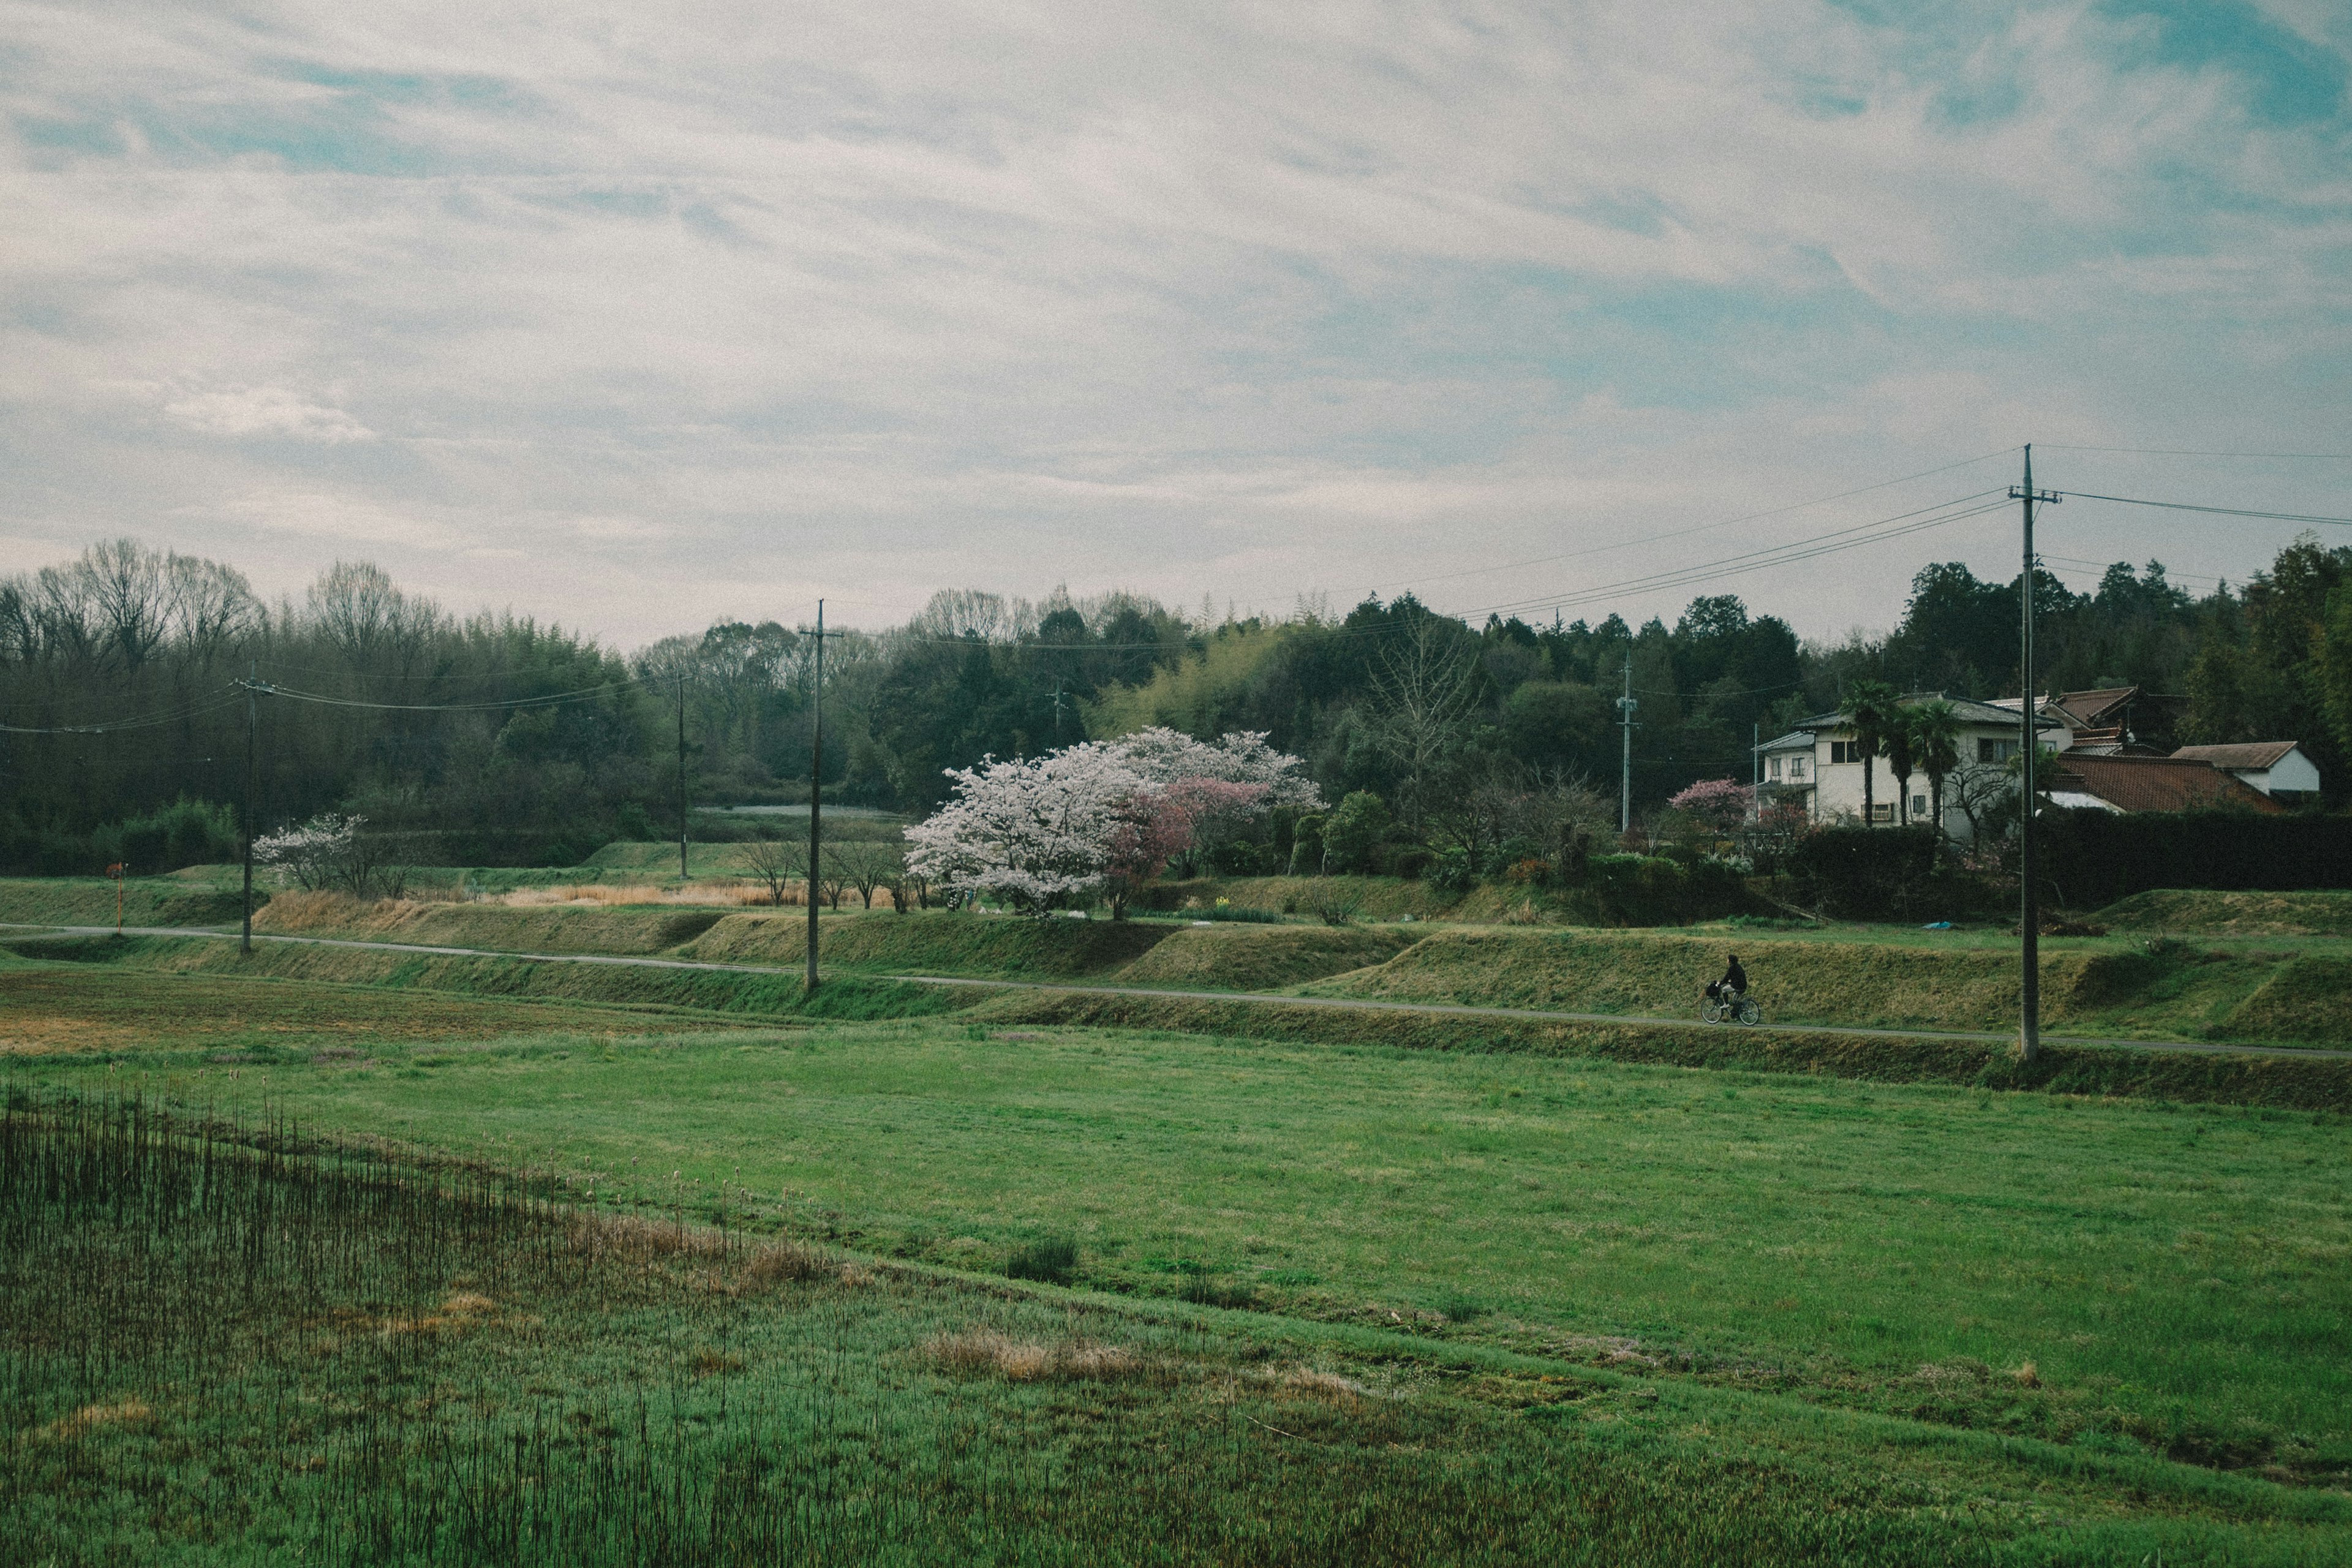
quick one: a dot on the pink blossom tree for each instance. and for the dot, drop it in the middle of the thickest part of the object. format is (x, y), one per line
(1720, 804)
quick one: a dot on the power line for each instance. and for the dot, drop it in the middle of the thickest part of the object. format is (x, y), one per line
(1758, 560)
(1702, 528)
(551, 699)
(2217, 511)
(2183, 452)
(144, 722)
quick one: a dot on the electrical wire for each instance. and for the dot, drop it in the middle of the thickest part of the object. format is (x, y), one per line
(2217, 511)
(585, 693)
(144, 722)
(2182, 452)
(1758, 560)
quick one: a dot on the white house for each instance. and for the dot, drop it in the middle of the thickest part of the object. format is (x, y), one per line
(2274, 767)
(1818, 764)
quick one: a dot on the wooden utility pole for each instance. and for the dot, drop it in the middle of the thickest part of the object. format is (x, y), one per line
(816, 786)
(2029, 924)
(1625, 706)
(252, 773)
(681, 776)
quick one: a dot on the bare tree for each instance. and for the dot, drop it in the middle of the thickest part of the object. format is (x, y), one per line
(776, 862)
(866, 865)
(1424, 694)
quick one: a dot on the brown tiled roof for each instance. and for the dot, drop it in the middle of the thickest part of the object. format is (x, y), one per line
(2159, 783)
(2250, 755)
(2092, 707)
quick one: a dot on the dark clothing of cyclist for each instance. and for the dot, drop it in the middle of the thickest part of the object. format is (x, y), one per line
(1734, 981)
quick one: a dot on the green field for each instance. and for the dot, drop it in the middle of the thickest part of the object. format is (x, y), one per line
(1326, 1304)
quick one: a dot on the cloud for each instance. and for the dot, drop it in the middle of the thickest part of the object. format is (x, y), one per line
(869, 299)
(242, 411)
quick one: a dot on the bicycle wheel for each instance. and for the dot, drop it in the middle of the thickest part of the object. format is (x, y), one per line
(1711, 1012)
(1750, 1013)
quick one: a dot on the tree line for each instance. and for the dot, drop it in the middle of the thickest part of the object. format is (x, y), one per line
(496, 736)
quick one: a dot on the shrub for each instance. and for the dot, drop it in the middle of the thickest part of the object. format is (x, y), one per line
(1352, 834)
(1451, 875)
(1335, 902)
(1307, 846)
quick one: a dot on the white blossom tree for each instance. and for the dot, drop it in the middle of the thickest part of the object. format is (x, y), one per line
(1098, 818)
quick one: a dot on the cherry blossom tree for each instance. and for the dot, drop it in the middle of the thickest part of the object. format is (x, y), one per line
(1037, 833)
(1722, 805)
(1100, 818)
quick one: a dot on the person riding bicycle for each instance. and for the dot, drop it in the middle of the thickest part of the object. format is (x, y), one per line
(1732, 986)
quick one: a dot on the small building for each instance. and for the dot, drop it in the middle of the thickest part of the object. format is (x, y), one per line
(2277, 768)
(1818, 765)
(2109, 720)
(2116, 781)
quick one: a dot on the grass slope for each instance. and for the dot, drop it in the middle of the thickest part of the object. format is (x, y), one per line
(935, 942)
(2233, 914)
(2279, 1081)
(2128, 993)
(90, 900)
(771, 995)
(377, 1368)
(2173, 1276)
(513, 928)
(1263, 958)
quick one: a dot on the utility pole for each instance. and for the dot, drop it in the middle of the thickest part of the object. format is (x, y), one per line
(816, 784)
(252, 773)
(2029, 925)
(1625, 706)
(681, 776)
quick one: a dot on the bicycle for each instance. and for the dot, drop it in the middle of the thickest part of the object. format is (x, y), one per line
(1740, 1008)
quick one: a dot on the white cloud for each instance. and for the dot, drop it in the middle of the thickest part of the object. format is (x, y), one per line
(264, 411)
(868, 300)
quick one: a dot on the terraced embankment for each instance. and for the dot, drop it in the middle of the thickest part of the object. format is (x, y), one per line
(512, 928)
(765, 994)
(2206, 914)
(2181, 993)
(936, 943)
(90, 900)
(1263, 958)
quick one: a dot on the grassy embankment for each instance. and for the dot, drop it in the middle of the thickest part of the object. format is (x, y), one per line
(329, 1357)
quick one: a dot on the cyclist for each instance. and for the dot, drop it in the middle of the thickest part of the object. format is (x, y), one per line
(1732, 986)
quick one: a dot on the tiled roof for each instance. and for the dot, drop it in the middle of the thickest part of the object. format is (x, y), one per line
(2158, 784)
(1965, 709)
(1789, 742)
(2250, 754)
(2092, 707)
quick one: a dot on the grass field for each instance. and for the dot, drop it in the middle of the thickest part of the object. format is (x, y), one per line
(1330, 1305)
(228, 1352)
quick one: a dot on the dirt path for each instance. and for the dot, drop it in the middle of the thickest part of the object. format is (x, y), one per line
(1449, 1009)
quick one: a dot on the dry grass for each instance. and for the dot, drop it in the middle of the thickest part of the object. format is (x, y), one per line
(985, 1352)
(90, 1417)
(782, 1263)
(604, 895)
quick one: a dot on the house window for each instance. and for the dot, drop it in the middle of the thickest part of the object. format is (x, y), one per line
(1796, 767)
(1995, 751)
(1844, 752)
(1882, 811)
(1772, 768)
(1919, 805)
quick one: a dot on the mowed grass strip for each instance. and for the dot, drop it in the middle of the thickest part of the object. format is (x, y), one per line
(2145, 1274)
(47, 1008)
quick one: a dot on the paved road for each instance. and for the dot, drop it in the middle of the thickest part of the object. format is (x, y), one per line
(1343, 1004)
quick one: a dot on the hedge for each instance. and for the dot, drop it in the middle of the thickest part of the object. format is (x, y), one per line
(2093, 858)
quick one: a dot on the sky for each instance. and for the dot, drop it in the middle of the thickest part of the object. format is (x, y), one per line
(637, 318)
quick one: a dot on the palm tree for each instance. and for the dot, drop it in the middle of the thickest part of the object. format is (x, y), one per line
(1935, 734)
(1871, 708)
(1900, 762)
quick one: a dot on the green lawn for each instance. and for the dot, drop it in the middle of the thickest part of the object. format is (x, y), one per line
(2176, 1276)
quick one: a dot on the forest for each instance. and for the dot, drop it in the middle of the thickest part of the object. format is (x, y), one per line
(133, 681)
